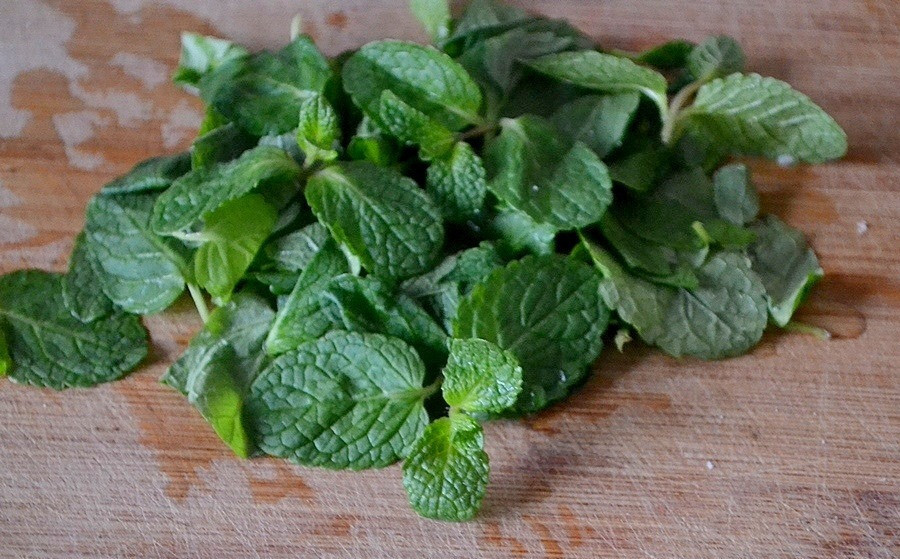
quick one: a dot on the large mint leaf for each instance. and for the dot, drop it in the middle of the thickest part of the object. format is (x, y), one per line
(517, 233)
(446, 473)
(200, 55)
(786, 264)
(716, 57)
(80, 293)
(139, 271)
(202, 191)
(605, 73)
(344, 401)
(413, 127)
(736, 198)
(547, 311)
(231, 237)
(156, 173)
(380, 216)
(220, 145)
(481, 377)
(752, 115)
(457, 183)
(51, 348)
(535, 171)
(600, 122)
(422, 77)
(262, 93)
(293, 252)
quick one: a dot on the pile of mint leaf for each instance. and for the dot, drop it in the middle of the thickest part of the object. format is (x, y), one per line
(405, 241)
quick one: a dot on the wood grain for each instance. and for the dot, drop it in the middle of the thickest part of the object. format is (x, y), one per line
(792, 451)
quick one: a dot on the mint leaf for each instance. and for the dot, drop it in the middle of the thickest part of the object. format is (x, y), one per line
(5, 359)
(294, 252)
(457, 183)
(786, 265)
(49, 347)
(481, 377)
(752, 115)
(716, 57)
(80, 293)
(533, 170)
(262, 93)
(546, 311)
(202, 191)
(380, 216)
(413, 127)
(201, 55)
(422, 77)
(156, 173)
(486, 17)
(446, 473)
(220, 145)
(736, 198)
(139, 271)
(344, 401)
(605, 73)
(667, 56)
(599, 122)
(231, 237)
(434, 15)
(518, 233)
(318, 130)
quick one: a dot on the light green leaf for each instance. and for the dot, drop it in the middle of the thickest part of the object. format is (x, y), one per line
(518, 233)
(752, 115)
(716, 57)
(49, 347)
(599, 122)
(481, 377)
(202, 191)
(786, 265)
(434, 15)
(318, 130)
(5, 359)
(533, 170)
(457, 183)
(605, 73)
(262, 93)
(80, 293)
(139, 271)
(380, 216)
(344, 401)
(446, 473)
(156, 173)
(547, 311)
(231, 236)
(413, 127)
(422, 77)
(736, 198)
(201, 55)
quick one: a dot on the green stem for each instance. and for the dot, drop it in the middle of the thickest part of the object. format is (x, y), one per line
(199, 302)
(433, 387)
(675, 110)
(478, 131)
(803, 328)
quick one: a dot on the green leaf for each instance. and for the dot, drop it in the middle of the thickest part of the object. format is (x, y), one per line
(547, 311)
(413, 127)
(318, 130)
(156, 173)
(752, 115)
(380, 216)
(434, 15)
(5, 360)
(80, 293)
(344, 401)
(599, 122)
(231, 235)
(139, 271)
(201, 55)
(243, 324)
(667, 56)
(723, 317)
(457, 183)
(535, 171)
(422, 77)
(446, 473)
(262, 93)
(202, 191)
(736, 198)
(485, 17)
(220, 145)
(605, 73)
(49, 347)
(481, 377)
(786, 265)
(518, 233)
(716, 57)
(642, 168)
(294, 251)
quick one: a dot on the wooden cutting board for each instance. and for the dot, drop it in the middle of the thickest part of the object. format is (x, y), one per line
(792, 451)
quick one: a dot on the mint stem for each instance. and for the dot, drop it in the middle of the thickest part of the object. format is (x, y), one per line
(478, 131)
(803, 328)
(199, 302)
(675, 108)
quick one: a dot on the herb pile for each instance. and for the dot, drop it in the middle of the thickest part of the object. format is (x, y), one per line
(406, 241)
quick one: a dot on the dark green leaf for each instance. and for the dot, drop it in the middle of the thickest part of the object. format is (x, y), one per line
(716, 57)
(156, 173)
(457, 183)
(80, 293)
(600, 122)
(667, 56)
(220, 145)
(736, 198)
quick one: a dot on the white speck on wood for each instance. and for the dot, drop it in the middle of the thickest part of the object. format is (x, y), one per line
(149, 71)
